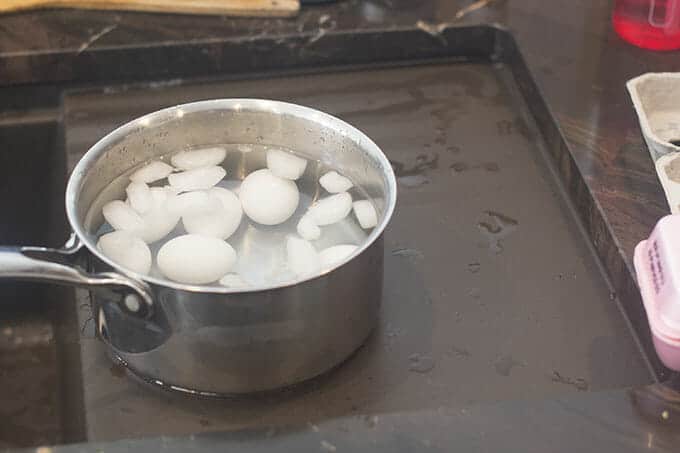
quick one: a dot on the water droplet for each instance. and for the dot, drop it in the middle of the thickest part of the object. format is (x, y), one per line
(420, 363)
(371, 420)
(491, 166)
(327, 446)
(496, 228)
(407, 253)
(504, 365)
(459, 352)
(474, 267)
(474, 293)
(459, 167)
(579, 383)
(413, 181)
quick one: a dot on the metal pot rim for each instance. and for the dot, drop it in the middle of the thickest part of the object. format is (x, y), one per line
(149, 120)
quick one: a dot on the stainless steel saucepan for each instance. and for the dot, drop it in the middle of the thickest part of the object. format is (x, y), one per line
(214, 340)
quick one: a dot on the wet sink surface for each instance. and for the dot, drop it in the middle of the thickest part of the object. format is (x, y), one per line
(491, 292)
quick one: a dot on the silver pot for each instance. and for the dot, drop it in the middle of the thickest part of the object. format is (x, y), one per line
(212, 340)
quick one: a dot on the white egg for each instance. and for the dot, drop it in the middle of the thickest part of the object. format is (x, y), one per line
(121, 216)
(221, 222)
(233, 281)
(197, 179)
(268, 199)
(126, 250)
(302, 257)
(308, 229)
(333, 255)
(140, 196)
(334, 182)
(195, 259)
(285, 165)
(365, 213)
(192, 159)
(331, 209)
(153, 171)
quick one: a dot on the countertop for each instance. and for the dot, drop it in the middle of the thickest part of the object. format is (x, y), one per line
(579, 64)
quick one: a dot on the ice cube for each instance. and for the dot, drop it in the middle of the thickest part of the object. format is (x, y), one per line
(268, 199)
(221, 222)
(308, 229)
(126, 250)
(302, 258)
(192, 159)
(233, 281)
(196, 201)
(333, 255)
(331, 209)
(365, 213)
(285, 165)
(197, 179)
(334, 182)
(121, 216)
(195, 259)
(157, 223)
(140, 196)
(151, 172)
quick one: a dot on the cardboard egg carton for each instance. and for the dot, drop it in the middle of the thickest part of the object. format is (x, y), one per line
(656, 98)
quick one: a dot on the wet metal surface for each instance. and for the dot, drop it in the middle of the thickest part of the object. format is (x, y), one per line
(644, 419)
(451, 334)
(580, 66)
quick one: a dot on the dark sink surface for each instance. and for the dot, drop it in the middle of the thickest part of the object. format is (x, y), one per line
(579, 64)
(40, 394)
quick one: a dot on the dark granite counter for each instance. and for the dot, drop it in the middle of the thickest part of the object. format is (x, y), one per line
(580, 66)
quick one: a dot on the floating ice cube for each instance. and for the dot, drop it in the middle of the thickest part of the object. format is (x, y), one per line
(121, 216)
(285, 165)
(331, 209)
(195, 259)
(197, 179)
(198, 158)
(151, 172)
(268, 199)
(140, 196)
(157, 223)
(193, 202)
(160, 195)
(126, 250)
(220, 222)
(308, 229)
(334, 182)
(302, 258)
(365, 213)
(233, 281)
(332, 255)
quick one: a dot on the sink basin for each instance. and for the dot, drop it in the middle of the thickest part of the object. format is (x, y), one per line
(40, 385)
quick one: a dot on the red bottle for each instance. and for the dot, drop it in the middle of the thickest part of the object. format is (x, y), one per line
(650, 24)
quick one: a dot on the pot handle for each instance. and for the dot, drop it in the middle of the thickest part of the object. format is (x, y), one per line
(52, 265)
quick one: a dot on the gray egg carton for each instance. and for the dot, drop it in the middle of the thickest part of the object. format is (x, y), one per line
(656, 97)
